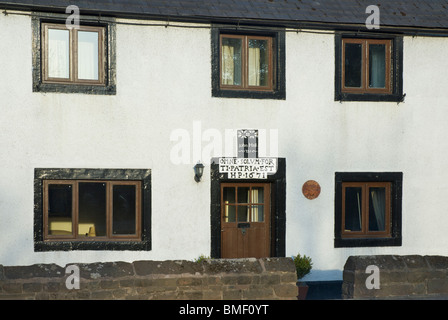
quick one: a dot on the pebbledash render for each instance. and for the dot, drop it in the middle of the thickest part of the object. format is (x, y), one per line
(319, 132)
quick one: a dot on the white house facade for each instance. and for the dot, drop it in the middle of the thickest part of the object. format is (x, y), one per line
(102, 125)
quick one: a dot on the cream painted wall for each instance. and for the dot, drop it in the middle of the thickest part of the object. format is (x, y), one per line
(164, 85)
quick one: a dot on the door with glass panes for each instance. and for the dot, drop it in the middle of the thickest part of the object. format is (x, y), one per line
(245, 220)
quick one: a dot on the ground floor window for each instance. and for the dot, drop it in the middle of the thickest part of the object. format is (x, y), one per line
(99, 209)
(368, 209)
(92, 209)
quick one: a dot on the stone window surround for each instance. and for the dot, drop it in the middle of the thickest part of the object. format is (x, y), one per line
(109, 88)
(396, 179)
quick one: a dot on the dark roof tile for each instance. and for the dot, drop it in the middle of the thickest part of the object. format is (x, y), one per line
(411, 13)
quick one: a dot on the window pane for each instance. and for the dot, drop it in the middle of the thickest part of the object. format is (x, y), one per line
(353, 65)
(92, 209)
(59, 209)
(87, 55)
(243, 215)
(377, 209)
(243, 195)
(229, 213)
(257, 195)
(124, 209)
(231, 61)
(353, 211)
(229, 194)
(58, 53)
(257, 213)
(258, 62)
(377, 66)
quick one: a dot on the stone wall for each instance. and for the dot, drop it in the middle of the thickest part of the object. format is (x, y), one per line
(399, 277)
(211, 279)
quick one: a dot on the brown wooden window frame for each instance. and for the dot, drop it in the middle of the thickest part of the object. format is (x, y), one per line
(365, 67)
(75, 236)
(244, 60)
(73, 55)
(364, 232)
(266, 197)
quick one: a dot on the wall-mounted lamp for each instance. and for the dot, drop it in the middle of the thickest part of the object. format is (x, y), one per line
(198, 171)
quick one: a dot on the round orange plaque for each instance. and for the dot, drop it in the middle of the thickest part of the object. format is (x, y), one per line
(311, 189)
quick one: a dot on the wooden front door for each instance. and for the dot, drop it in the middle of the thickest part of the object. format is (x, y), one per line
(245, 220)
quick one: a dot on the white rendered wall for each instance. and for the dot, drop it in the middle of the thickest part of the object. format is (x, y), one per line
(164, 86)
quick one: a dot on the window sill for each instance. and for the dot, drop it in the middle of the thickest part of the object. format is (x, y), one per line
(249, 94)
(75, 88)
(341, 97)
(367, 242)
(41, 246)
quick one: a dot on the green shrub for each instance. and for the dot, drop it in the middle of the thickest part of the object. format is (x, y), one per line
(201, 258)
(303, 264)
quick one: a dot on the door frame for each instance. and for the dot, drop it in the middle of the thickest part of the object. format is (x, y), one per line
(278, 207)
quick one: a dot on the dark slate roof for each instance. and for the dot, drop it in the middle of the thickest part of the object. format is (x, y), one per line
(395, 13)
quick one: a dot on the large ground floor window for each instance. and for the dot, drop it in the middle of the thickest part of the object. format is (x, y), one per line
(92, 209)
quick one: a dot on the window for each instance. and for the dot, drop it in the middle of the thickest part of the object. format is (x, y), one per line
(248, 65)
(73, 55)
(366, 65)
(73, 60)
(92, 209)
(368, 69)
(244, 202)
(100, 210)
(365, 209)
(246, 62)
(368, 209)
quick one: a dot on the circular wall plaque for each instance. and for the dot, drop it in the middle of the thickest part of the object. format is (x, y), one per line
(311, 189)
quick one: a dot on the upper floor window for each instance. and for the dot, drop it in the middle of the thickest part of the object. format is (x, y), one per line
(248, 64)
(73, 55)
(368, 69)
(73, 60)
(366, 66)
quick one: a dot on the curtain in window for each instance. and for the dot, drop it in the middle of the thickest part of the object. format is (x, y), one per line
(377, 66)
(231, 61)
(58, 53)
(228, 66)
(254, 66)
(359, 210)
(255, 214)
(378, 197)
(87, 55)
